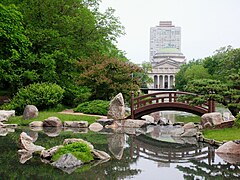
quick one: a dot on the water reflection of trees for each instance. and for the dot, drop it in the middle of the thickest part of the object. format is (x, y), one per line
(203, 170)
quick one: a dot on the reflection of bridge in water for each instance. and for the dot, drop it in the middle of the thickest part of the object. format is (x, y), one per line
(166, 152)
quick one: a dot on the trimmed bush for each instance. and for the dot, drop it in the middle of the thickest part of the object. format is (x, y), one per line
(237, 121)
(42, 95)
(98, 107)
(78, 149)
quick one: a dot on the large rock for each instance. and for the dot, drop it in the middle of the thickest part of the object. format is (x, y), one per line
(101, 155)
(148, 118)
(189, 125)
(47, 154)
(5, 115)
(229, 147)
(133, 123)
(95, 127)
(117, 108)
(36, 124)
(30, 112)
(76, 124)
(214, 118)
(26, 142)
(105, 122)
(67, 163)
(24, 155)
(190, 132)
(52, 122)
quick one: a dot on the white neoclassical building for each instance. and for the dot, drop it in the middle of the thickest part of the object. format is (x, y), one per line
(165, 64)
(165, 55)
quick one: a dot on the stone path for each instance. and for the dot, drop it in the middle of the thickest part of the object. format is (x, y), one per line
(70, 111)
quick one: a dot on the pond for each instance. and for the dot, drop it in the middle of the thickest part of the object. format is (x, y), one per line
(133, 157)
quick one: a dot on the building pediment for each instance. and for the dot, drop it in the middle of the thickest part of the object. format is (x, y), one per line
(166, 63)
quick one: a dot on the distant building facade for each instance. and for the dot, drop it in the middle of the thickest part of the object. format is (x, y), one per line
(165, 55)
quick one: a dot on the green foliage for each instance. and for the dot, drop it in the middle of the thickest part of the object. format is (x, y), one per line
(42, 95)
(224, 69)
(80, 150)
(99, 107)
(106, 76)
(75, 95)
(237, 121)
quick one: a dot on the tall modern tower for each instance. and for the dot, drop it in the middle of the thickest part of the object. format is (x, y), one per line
(165, 35)
(165, 55)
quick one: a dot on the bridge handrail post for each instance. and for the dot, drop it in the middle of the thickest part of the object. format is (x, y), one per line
(138, 99)
(132, 104)
(170, 97)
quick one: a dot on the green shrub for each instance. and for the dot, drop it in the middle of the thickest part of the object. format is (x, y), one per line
(237, 121)
(42, 95)
(75, 95)
(99, 107)
(78, 149)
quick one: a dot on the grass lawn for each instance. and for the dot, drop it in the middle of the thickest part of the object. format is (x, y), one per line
(223, 134)
(187, 119)
(45, 114)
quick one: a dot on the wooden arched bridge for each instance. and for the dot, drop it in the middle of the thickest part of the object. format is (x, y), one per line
(168, 100)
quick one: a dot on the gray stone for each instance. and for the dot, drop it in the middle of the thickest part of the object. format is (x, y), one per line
(76, 124)
(95, 127)
(24, 155)
(207, 125)
(148, 118)
(30, 112)
(52, 122)
(117, 108)
(6, 114)
(229, 147)
(26, 142)
(47, 154)
(101, 155)
(66, 162)
(105, 122)
(72, 140)
(189, 125)
(214, 118)
(3, 131)
(36, 124)
(133, 123)
(189, 132)
(76, 130)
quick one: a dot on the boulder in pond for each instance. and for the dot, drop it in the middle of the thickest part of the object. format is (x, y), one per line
(105, 122)
(190, 132)
(36, 124)
(117, 108)
(229, 147)
(76, 124)
(47, 154)
(95, 127)
(101, 155)
(134, 123)
(52, 122)
(67, 163)
(30, 111)
(26, 142)
(6, 114)
(148, 118)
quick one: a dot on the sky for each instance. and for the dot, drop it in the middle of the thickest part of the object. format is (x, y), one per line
(206, 25)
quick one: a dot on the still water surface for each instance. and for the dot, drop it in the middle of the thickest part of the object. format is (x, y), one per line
(133, 157)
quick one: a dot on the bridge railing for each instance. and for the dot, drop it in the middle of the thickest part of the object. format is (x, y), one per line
(166, 97)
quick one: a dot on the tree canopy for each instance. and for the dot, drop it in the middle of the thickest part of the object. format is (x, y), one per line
(216, 77)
